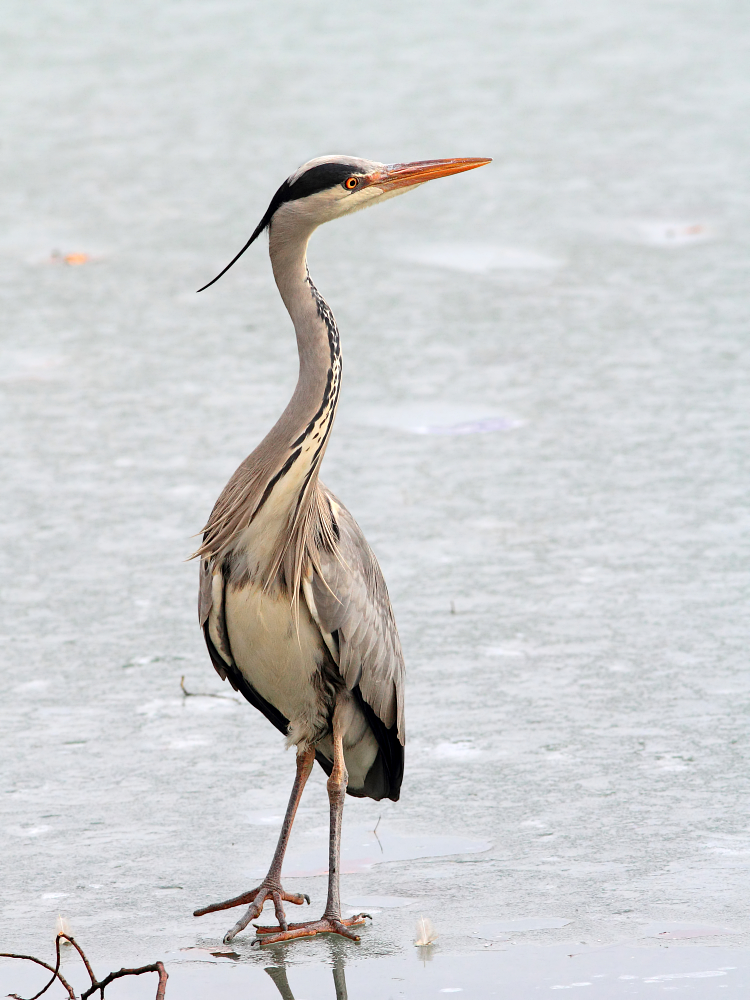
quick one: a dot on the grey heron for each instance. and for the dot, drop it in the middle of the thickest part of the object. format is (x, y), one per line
(292, 603)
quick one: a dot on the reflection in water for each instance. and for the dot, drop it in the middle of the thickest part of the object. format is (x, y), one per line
(281, 981)
(426, 952)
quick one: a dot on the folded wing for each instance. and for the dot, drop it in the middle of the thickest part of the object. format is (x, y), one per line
(351, 605)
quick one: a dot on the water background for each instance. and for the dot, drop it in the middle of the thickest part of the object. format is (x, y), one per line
(543, 432)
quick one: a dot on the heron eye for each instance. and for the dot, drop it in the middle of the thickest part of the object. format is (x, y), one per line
(351, 182)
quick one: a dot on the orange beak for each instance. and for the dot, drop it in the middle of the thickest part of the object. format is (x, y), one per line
(399, 175)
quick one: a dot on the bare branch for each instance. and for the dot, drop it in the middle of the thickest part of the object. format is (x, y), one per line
(156, 967)
(55, 973)
(79, 949)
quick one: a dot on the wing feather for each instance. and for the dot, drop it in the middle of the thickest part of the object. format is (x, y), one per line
(351, 599)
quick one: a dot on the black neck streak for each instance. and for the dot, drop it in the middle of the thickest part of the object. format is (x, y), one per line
(327, 408)
(324, 415)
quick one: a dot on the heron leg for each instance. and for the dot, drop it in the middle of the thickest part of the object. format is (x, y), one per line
(270, 887)
(331, 922)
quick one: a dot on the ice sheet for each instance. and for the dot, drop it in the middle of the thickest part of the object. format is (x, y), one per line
(571, 590)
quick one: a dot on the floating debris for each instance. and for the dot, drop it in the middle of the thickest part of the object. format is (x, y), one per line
(673, 234)
(484, 426)
(438, 418)
(671, 931)
(204, 694)
(458, 750)
(384, 902)
(497, 929)
(72, 259)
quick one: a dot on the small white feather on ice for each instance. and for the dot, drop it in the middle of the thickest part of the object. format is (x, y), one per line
(426, 933)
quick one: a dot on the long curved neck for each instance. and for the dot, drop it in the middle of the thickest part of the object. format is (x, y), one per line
(261, 513)
(317, 335)
(293, 449)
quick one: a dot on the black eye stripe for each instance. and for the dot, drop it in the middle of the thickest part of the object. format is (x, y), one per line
(320, 178)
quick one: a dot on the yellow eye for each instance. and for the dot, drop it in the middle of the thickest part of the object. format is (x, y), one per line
(351, 182)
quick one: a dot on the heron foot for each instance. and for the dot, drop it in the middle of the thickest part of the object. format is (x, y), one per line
(256, 898)
(326, 925)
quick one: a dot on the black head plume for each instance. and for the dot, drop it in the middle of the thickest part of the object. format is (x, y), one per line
(279, 198)
(317, 178)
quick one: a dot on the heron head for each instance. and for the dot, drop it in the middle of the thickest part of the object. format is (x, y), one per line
(331, 186)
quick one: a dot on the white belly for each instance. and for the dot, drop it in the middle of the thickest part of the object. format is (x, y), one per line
(279, 661)
(277, 656)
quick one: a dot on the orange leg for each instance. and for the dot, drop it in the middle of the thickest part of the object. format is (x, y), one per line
(331, 922)
(270, 887)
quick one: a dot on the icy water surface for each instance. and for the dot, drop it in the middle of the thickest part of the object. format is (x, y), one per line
(543, 432)
(614, 973)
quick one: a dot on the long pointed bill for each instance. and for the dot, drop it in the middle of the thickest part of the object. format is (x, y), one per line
(403, 175)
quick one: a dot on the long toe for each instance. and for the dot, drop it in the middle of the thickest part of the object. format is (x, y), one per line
(326, 925)
(253, 912)
(227, 904)
(279, 910)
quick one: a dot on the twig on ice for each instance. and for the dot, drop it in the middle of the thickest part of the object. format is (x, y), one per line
(66, 937)
(56, 974)
(204, 694)
(157, 967)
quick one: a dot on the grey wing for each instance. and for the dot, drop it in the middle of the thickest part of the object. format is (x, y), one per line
(353, 611)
